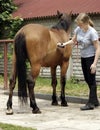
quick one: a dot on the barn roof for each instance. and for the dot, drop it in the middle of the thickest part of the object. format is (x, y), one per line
(43, 8)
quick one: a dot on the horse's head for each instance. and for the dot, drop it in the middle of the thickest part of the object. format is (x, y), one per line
(64, 21)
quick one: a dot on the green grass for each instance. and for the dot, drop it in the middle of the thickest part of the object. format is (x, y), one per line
(13, 127)
(73, 87)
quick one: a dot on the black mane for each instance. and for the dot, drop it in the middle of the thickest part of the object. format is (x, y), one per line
(64, 22)
(62, 25)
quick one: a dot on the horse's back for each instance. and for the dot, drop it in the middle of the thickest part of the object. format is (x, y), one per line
(35, 32)
(37, 40)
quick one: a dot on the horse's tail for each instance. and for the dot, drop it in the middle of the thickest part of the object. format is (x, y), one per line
(21, 56)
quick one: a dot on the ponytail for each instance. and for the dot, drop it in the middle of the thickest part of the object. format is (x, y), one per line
(91, 23)
(83, 17)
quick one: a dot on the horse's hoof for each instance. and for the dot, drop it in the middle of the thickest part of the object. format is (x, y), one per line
(55, 103)
(64, 104)
(36, 111)
(9, 112)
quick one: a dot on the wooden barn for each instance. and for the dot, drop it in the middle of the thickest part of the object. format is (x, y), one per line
(44, 12)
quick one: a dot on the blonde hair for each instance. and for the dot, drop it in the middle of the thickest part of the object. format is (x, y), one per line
(83, 17)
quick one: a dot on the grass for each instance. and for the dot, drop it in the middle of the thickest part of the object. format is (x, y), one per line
(13, 127)
(73, 87)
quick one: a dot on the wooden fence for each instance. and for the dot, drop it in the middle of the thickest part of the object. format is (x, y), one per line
(5, 52)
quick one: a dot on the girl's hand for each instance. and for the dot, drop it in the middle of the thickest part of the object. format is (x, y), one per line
(61, 45)
(93, 68)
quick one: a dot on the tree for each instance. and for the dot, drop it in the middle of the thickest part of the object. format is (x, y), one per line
(8, 24)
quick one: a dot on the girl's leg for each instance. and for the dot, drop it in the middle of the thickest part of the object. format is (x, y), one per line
(91, 81)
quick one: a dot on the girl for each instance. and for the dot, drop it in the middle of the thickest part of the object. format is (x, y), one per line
(87, 38)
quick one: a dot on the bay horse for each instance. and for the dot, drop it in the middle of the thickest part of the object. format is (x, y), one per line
(38, 45)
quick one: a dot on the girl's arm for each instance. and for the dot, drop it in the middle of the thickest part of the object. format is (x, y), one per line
(97, 54)
(72, 41)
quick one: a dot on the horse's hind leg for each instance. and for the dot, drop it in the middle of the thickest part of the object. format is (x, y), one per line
(9, 102)
(31, 84)
(12, 83)
(33, 104)
(54, 84)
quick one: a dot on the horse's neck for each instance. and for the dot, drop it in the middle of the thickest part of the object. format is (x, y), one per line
(59, 35)
(65, 35)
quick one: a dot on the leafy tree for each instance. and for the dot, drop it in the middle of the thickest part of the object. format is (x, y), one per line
(8, 24)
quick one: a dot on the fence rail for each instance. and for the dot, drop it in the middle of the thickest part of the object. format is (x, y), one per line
(6, 42)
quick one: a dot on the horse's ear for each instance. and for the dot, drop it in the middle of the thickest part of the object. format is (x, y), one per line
(59, 14)
(70, 13)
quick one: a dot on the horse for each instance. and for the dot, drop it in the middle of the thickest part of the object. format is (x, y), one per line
(37, 44)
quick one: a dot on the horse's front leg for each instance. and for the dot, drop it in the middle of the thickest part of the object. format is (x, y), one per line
(64, 68)
(54, 84)
(31, 85)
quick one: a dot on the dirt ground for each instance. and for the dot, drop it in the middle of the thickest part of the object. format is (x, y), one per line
(52, 117)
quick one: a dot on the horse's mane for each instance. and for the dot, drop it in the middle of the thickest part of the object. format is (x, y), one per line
(62, 24)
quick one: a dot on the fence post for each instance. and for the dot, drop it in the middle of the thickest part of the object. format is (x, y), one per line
(5, 66)
(6, 42)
